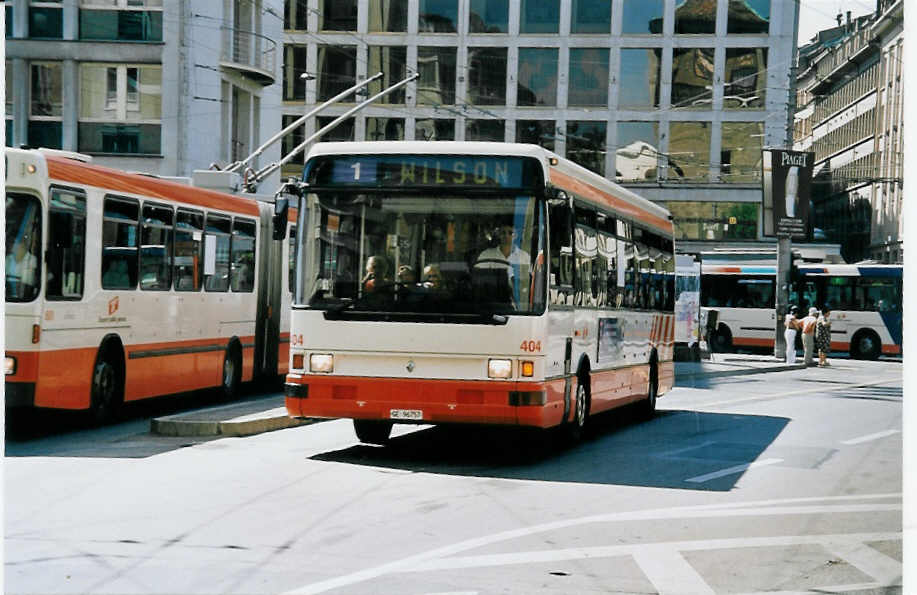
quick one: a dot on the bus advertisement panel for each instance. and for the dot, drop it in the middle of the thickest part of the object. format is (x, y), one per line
(475, 283)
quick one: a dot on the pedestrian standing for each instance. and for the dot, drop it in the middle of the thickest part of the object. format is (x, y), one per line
(792, 325)
(808, 336)
(823, 336)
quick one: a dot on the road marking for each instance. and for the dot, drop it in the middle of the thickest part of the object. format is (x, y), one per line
(774, 507)
(870, 437)
(733, 470)
(669, 572)
(827, 589)
(884, 569)
(807, 391)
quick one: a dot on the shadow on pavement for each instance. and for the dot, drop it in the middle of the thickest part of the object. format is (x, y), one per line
(676, 449)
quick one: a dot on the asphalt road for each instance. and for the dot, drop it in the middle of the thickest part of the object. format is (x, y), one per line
(779, 482)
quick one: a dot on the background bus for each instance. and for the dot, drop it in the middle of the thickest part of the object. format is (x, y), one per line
(122, 286)
(475, 283)
(865, 302)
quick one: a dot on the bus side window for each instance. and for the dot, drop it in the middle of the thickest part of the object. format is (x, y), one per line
(561, 251)
(586, 292)
(189, 233)
(66, 245)
(156, 248)
(120, 243)
(216, 252)
(243, 255)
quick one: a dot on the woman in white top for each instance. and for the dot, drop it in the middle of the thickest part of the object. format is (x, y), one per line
(791, 324)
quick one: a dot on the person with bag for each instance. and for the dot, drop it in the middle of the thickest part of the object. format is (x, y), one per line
(792, 325)
(823, 336)
(808, 336)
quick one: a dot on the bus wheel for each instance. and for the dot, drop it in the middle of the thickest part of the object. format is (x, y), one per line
(576, 428)
(721, 342)
(865, 345)
(232, 372)
(649, 404)
(372, 431)
(105, 398)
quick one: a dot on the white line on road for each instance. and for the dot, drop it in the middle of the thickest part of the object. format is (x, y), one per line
(765, 397)
(882, 568)
(870, 437)
(669, 572)
(733, 470)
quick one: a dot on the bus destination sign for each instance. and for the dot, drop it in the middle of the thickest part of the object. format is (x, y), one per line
(403, 171)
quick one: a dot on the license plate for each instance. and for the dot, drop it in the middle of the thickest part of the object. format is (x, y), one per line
(406, 414)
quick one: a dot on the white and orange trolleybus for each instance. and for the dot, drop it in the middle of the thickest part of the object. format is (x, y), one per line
(124, 286)
(474, 282)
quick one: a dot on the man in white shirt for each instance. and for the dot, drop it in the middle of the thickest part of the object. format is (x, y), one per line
(507, 255)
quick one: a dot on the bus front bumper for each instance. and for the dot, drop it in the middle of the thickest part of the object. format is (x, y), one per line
(425, 401)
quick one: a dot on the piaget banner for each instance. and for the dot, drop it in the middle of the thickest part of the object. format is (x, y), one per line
(786, 186)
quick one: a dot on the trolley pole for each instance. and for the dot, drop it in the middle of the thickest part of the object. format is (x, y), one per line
(784, 263)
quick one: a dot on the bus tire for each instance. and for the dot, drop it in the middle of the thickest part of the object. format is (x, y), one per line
(231, 378)
(576, 427)
(648, 405)
(107, 390)
(865, 345)
(721, 342)
(372, 431)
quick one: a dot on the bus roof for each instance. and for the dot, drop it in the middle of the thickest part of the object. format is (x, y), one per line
(559, 171)
(65, 169)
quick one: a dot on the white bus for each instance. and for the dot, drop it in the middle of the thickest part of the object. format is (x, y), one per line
(741, 288)
(491, 283)
(122, 286)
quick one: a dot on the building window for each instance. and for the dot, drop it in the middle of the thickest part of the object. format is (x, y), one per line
(694, 17)
(642, 17)
(45, 105)
(289, 142)
(391, 61)
(537, 77)
(434, 129)
(489, 16)
(9, 21)
(689, 151)
(539, 16)
(639, 80)
(124, 118)
(8, 75)
(295, 15)
(46, 20)
(436, 85)
(586, 144)
(338, 15)
(636, 158)
(588, 77)
(692, 77)
(741, 151)
(536, 132)
(714, 220)
(384, 128)
(748, 16)
(337, 69)
(121, 20)
(344, 131)
(485, 130)
(387, 16)
(437, 16)
(294, 64)
(487, 76)
(591, 16)
(746, 78)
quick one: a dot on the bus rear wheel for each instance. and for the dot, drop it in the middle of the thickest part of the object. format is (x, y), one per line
(105, 396)
(865, 345)
(232, 372)
(576, 428)
(372, 431)
(721, 341)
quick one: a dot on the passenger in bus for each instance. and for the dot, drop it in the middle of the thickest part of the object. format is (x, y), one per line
(432, 278)
(823, 336)
(789, 335)
(376, 273)
(406, 275)
(21, 268)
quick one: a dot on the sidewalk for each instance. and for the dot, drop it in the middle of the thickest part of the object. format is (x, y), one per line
(268, 413)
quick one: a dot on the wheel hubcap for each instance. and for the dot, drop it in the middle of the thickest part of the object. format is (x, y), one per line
(580, 405)
(228, 372)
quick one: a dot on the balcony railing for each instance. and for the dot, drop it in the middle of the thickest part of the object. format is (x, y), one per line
(849, 48)
(253, 55)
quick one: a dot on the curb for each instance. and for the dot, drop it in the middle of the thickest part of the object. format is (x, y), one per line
(242, 426)
(744, 372)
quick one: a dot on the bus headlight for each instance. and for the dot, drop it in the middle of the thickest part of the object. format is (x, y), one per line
(499, 368)
(321, 362)
(9, 365)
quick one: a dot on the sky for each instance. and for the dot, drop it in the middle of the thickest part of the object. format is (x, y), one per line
(816, 15)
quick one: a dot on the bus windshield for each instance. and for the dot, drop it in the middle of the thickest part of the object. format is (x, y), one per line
(427, 254)
(23, 247)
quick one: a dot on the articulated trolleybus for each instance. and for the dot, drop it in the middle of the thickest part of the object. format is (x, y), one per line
(122, 286)
(475, 283)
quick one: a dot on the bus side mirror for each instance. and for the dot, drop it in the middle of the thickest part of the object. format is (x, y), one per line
(557, 197)
(281, 206)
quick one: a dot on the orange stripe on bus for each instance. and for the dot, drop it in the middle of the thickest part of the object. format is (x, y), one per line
(76, 172)
(26, 366)
(565, 182)
(751, 342)
(65, 377)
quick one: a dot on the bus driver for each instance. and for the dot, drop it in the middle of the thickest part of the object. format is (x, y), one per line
(507, 255)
